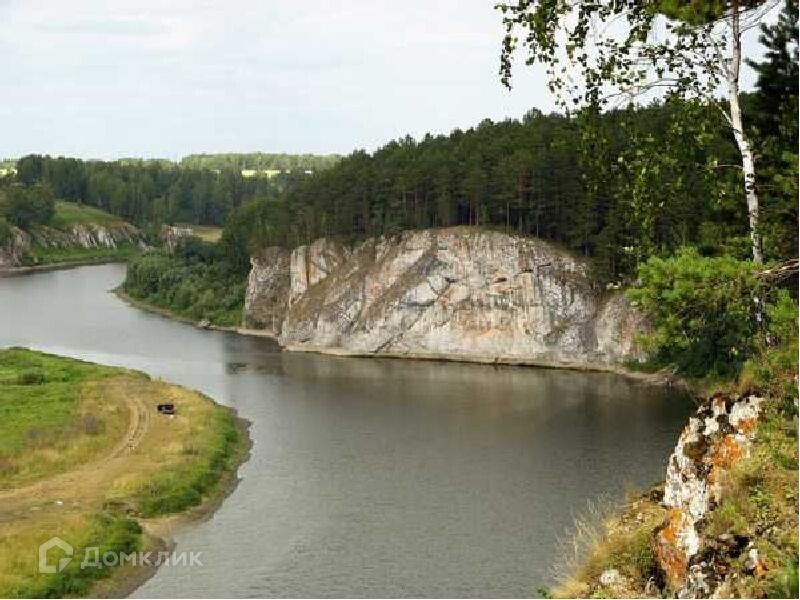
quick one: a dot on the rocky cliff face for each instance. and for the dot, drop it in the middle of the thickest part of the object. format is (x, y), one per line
(16, 248)
(451, 293)
(716, 438)
(709, 530)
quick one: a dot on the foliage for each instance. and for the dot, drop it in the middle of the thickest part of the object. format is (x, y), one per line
(703, 311)
(29, 206)
(622, 49)
(5, 231)
(598, 52)
(772, 119)
(614, 186)
(773, 370)
(149, 192)
(254, 222)
(195, 283)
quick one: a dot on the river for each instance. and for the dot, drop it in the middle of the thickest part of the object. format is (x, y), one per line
(369, 477)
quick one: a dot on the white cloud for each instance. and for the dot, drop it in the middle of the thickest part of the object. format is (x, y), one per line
(148, 77)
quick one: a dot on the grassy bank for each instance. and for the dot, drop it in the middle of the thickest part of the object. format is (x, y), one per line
(85, 456)
(78, 254)
(72, 213)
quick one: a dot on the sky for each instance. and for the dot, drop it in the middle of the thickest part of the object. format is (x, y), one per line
(155, 78)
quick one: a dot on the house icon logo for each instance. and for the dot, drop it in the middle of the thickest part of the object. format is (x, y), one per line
(44, 549)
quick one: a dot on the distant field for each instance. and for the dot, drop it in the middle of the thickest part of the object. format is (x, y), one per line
(70, 213)
(207, 233)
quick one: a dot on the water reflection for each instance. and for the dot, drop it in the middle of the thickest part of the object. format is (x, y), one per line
(369, 477)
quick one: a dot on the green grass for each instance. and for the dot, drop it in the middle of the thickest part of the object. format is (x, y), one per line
(185, 486)
(109, 533)
(38, 395)
(71, 213)
(177, 465)
(51, 256)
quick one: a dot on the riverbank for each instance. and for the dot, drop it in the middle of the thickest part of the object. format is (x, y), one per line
(168, 314)
(88, 458)
(59, 266)
(663, 377)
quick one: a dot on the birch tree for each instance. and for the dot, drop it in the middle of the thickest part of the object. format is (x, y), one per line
(615, 51)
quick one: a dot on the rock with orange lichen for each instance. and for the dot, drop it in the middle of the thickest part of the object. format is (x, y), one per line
(716, 438)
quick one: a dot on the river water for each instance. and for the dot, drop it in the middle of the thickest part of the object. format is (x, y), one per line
(369, 477)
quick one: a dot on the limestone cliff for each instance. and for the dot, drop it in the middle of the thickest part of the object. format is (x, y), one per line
(17, 247)
(450, 293)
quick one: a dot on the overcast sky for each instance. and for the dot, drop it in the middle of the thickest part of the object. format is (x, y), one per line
(158, 78)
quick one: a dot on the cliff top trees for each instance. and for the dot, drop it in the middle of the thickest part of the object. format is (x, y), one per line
(625, 49)
(28, 206)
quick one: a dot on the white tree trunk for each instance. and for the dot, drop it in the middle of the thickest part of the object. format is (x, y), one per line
(748, 165)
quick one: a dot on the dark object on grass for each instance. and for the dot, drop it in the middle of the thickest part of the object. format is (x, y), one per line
(166, 409)
(31, 378)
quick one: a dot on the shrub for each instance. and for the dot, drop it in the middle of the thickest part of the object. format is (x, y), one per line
(194, 283)
(702, 309)
(774, 368)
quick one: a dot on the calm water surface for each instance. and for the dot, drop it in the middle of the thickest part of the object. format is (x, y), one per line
(369, 477)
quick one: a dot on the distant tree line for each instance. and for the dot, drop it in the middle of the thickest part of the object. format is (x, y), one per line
(616, 186)
(148, 192)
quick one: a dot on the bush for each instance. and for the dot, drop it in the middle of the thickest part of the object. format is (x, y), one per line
(703, 311)
(774, 368)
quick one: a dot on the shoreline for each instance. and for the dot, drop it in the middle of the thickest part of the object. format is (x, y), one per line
(168, 314)
(158, 532)
(664, 378)
(84, 484)
(60, 266)
(657, 378)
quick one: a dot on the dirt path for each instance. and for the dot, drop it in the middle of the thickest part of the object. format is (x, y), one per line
(78, 487)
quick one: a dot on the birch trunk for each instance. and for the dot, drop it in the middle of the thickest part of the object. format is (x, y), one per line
(748, 165)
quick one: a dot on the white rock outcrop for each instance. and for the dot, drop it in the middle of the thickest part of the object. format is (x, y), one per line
(449, 293)
(16, 247)
(716, 438)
